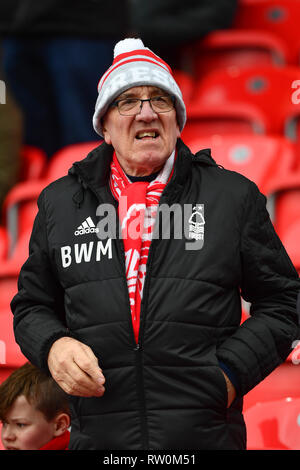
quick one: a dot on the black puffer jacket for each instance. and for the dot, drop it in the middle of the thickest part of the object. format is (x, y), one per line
(168, 391)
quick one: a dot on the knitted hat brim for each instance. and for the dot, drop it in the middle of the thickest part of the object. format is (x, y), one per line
(131, 75)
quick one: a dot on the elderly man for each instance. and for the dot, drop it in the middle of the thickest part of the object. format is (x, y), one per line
(144, 331)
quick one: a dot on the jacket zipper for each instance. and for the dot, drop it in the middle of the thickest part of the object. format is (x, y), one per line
(137, 349)
(136, 346)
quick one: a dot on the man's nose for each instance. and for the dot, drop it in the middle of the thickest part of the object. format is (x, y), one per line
(146, 113)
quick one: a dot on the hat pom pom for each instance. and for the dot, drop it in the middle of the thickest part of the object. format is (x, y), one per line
(128, 45)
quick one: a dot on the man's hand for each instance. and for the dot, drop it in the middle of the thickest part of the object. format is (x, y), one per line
(75, 368)
(230, 390)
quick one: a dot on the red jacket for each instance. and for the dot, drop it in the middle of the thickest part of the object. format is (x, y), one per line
(58, 443)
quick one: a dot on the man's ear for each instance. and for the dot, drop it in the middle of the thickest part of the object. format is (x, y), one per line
(61, 423)
(178, 131)
(105, 132)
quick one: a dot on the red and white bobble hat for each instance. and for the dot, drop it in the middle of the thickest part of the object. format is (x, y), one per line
(135, 65)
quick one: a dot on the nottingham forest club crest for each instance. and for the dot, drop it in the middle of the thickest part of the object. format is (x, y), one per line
(196, 223)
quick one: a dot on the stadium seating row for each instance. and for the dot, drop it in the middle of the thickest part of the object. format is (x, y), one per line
(264, 32)
(256, 100)
(277, 17)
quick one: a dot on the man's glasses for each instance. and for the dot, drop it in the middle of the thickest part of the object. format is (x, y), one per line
(133, 106)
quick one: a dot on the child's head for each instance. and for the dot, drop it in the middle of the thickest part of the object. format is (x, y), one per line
(33, 409)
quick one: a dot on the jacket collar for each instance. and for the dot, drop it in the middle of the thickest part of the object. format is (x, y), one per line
(94, 170)
(58, 443)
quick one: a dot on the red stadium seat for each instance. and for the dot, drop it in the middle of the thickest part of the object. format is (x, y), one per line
(20, 208)
(33, 163)
(290, 240)
(186, 84)
(279, 17)
(11, 265)
(20, 205)
(285, 188)
(242, 48)
(267, 90)
(287, 209)
(63, 159)
(204, 120)
(10, 353)
(8, 285)
(260, 158)
(283, 382)
(274, 425)
(271, 92)
(4, 243)
(287, 219)
(10, 269)
(4, 374)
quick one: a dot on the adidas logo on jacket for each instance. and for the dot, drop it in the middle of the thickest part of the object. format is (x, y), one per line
(87, 226)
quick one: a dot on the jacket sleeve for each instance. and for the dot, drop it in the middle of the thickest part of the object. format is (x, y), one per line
(38, 306)
(271, 284)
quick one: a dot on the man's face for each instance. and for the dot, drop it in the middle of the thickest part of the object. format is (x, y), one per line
(138, 153)
(25, 428)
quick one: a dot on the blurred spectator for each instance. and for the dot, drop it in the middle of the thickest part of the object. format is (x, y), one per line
(54, 52)
(170, 26)
(34, 411)
(11, 135)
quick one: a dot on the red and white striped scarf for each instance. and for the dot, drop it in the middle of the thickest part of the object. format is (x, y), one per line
(137, 211)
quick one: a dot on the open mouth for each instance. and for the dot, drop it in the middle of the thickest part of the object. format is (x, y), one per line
(147, 135)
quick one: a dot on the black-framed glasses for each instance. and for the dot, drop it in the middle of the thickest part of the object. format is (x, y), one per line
(133, 106)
